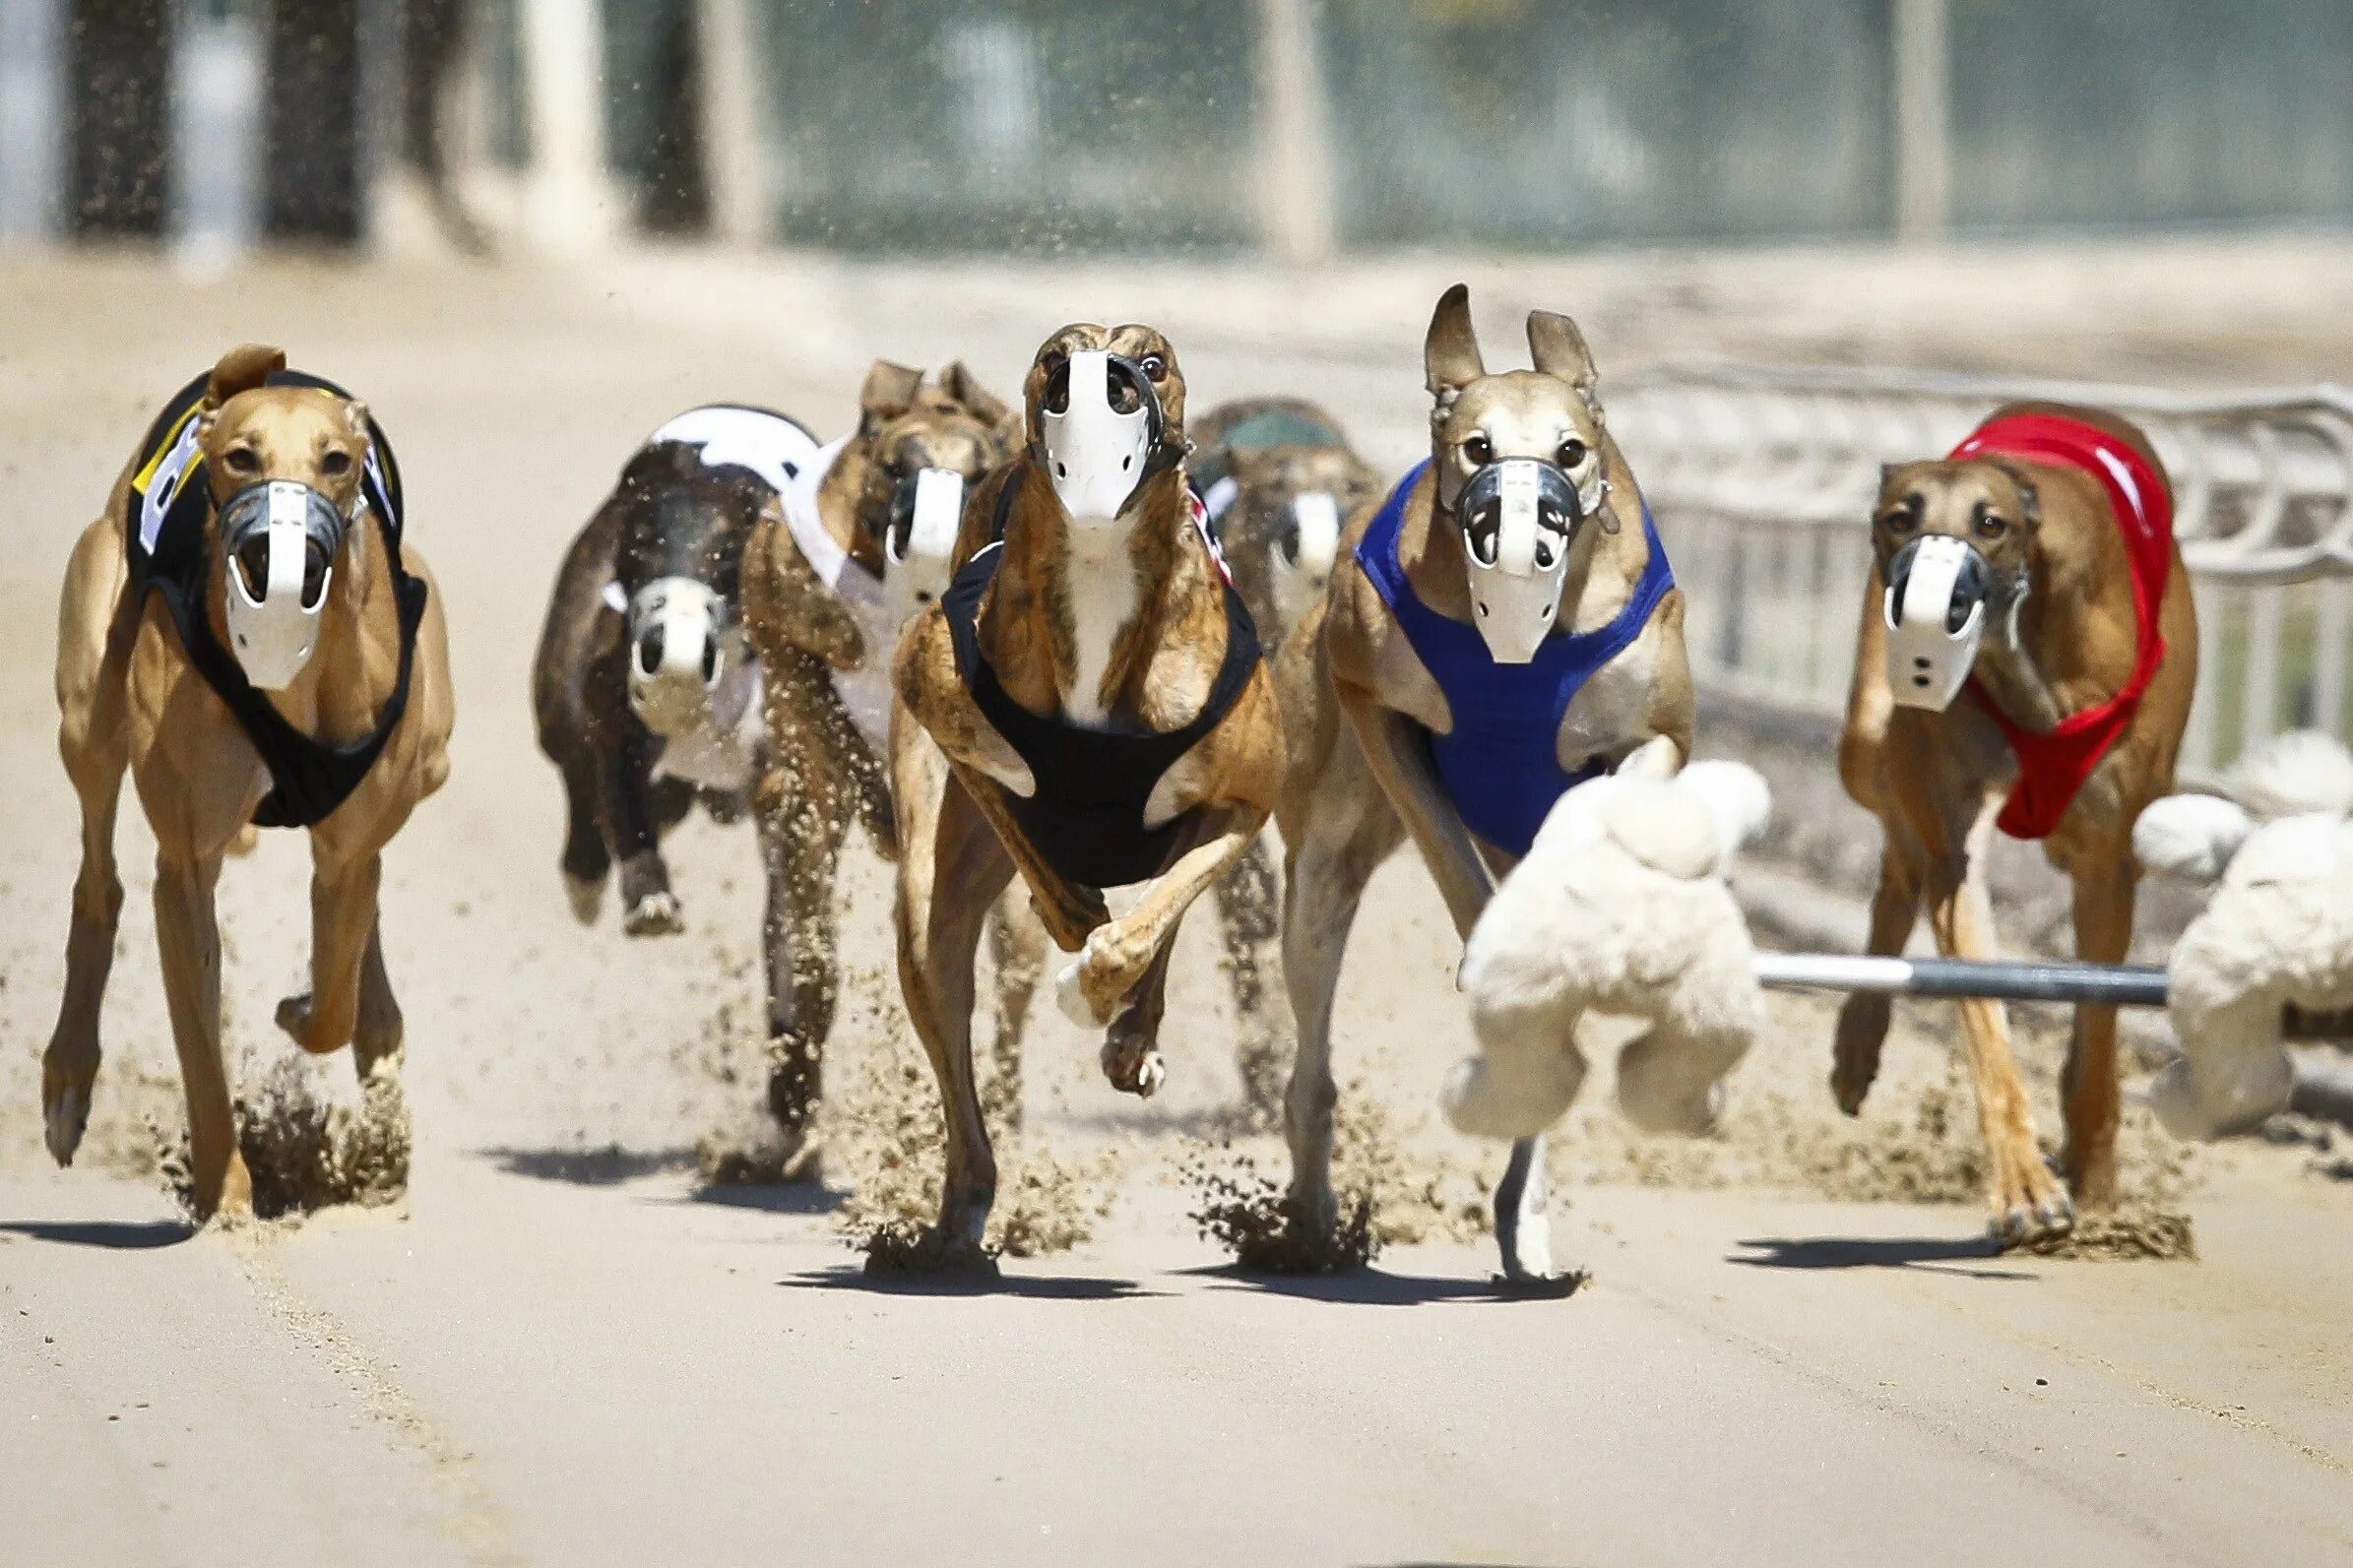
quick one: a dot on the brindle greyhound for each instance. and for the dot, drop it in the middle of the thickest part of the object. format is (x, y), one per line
(1086, 707)
(1480, 650)
(1280, 479)
(243, 630)
(2035, 564)
(828, 585)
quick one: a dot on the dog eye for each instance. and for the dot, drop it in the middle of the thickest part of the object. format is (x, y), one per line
(335, 464)
(1573, 453)
(1156, 367)
(1478, 450)
(1898, 520)
(241, 459)
(1991, 526)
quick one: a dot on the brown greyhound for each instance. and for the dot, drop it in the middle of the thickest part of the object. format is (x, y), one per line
(1087, 707)
(829, 583)
(2034, 571)
(1502, 627)
(1280, 482)
(244, 631)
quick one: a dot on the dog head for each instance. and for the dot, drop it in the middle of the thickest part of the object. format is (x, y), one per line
(1102, 414)
(677, 572)
(1955, 545)
(1521, 461)
(920, 448)
(283, 465)
(1281, 528)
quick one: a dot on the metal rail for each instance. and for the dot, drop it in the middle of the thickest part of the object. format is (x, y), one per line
(1765, 477)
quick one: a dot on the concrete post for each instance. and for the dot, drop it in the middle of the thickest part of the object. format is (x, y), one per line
(1922, 39)
(567, 196)
(1297, 190)
(734, 128)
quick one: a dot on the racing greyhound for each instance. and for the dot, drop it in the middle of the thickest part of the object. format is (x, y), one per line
(1086, 706)
(246, 632)
(1502, 627)
(2026, 659)
(1278, 480)
(829, 581)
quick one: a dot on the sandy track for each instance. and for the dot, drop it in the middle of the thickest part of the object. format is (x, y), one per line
(547, 1355)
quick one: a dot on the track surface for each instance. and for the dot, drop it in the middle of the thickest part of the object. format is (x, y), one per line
(551, 1358)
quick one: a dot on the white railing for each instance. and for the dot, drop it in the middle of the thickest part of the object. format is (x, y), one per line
(1763, 480)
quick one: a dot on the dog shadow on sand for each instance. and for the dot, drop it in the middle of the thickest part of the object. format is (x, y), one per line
(1953, 1255)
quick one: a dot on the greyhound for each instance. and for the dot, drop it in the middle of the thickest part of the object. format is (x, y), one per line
(645, 690)
(829, 581)
(245, 630)
(1278, 478)
(2026, 659)
(1496, 632)
(1087, 706)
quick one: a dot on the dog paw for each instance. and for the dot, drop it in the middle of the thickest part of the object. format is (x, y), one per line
(586, 896)
(1071, 994)
(2030, 1206)
(294, 1017)
(654, 915)
(66, 1116)
(1134, 1067)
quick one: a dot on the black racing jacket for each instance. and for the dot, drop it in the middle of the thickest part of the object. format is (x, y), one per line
(1087, 818)
(165, 526)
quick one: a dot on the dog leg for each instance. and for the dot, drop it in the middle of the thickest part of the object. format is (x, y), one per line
(93, 643)
(585, 861)
(378, 1037)
(1116, 956)
(2025, 1199)
(951, 869)
(1017, 948)
(1130, 1055)
(802, 851)
(189, 939)
(632, 827)
(342, 921)
(1336, 849)
(1862, 1018)
(1246, 905)
(1394, 749)
(2104, 895)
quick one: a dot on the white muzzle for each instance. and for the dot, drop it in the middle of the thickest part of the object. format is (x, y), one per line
(1515, 540)
(1304, 554)
(1094, 453)
(1936, 614)
(677, 653)
(916, 559)
(275, 632)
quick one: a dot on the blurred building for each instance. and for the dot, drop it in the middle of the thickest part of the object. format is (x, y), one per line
(1296, 125)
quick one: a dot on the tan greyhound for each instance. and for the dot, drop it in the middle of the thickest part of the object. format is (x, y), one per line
(1087, 707)
(2041, 616)
(1502, 627)
(243, 630)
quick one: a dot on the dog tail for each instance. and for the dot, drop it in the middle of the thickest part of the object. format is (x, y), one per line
(2298, 774)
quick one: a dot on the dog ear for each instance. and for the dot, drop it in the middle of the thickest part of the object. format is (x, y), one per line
(355, 417)
(963, 386)
(889, 392)
(1560, 350)
(242, 369)
(1450, 352)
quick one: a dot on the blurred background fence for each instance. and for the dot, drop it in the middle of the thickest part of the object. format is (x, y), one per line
(1297, 126)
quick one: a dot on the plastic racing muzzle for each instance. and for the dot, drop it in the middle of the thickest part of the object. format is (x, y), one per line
(1936, 611)
(1101, 428)
(918, 539)
(281, 539)
(1306, 542)
(679, 649)
(1517, 516)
